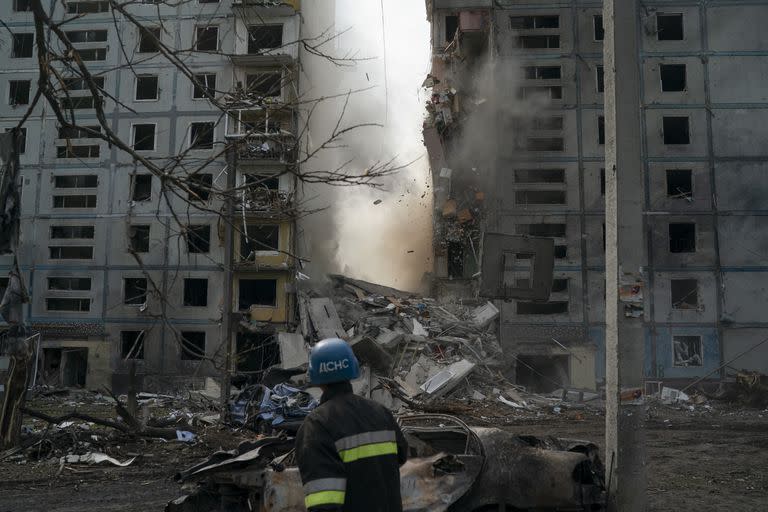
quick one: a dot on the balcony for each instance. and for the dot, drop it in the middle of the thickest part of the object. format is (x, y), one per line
(266, 149)
(269, 7)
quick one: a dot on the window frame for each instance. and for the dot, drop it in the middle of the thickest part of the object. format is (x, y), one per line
(136, 89)
(141, 34)
(204, 86)
(154, 136)
(125, 290)
(14, 49)
(15, 83)
(195, 147)
(188, 303)
(198, 28)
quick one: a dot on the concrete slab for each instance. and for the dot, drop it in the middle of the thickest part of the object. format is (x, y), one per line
(325, 318)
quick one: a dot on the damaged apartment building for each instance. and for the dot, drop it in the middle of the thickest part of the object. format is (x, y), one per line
(515, 136)
(121, 273)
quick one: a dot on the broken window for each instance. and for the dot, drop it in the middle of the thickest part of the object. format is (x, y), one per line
(22, 46)
(80, 84)
(68, 304)
(601, 130)
(18, 92)
(551, 123)
(542, 308)
(679, 183)
(539, 175)
(132, 344)
(544, 144)
(256, 351)
(669, 27)
(76, 201)
(259, 238)
(602, 181)
(70, 151)
(196, 292)
(138, 238)
(455, 257)
(597, 25)
(21, 139)
(146, 88)
(22, 5)
(673, 77)
(200, 187)
(600, 70)
(86, 36)
(533, 197)
(70, 252)
(141, 187)
(192, 345)
(77, 102)
(207, 86)
(79, 284)
(451, 27)
(264, 37)
(92, 54)
(542, 72)
(676, 130)
(149, 39)
(135, 291)
(144, 137)
(206, 39)
(687, 351)
(72, 232)
(682, 237)
(533, 22)
(547, 230)
(198, 238)
(201, 135)
(538, 42)
(257, 292)
(684, 293)
(87, 7)
(78, 132)
(76, 181)
(267, 85)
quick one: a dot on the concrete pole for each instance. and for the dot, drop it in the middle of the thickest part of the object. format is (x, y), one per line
(625, 260)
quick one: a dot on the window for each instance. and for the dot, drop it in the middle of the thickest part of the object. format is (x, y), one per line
(134, 291)
(669, 27)
(554, 123)
(544, 144)
(78, 201)
(561, 252)
(257, 292)
(264, 37)
(542, 308)
(149, 39)
(70, 151)
(207, 86)
(70, 232)
(682, 237)
(21, 139)
(201, 135)
(132, 344)
(687, 351)
(146, 87)
(597, 24)
(22, 5)
(77, 132)
(144, 137)
(141, 187)
(72, 305)
(76, 181)
(87, 7)
(684, 293)
(533, 22)
(259, 238)
(533, 197)
(602, 181)
(200, 187)
(676, 130)
(538, 42)
(86, 36)
(77, 102)
(601, 130)
(198, 239)
(138, 238)
(79, 284)
(70, 252)
(92, 54)
(196, 292)
(267, 85)
(192, 345)
(207, 39)
(80, 84)
(18, 92)
(546, 230)
(673, 77)
(542, 72)
(451, 26)
(22, 46)
(539, 175)
(552, 92)
(600, 70)
(679, 183)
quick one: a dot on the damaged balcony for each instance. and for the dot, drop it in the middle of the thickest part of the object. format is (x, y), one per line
(268, 36)
(268, 7)
(262, 135)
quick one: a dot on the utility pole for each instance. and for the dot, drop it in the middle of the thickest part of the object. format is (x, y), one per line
(625, 260)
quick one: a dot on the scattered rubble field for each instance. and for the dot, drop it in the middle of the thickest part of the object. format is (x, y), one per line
(712, 458)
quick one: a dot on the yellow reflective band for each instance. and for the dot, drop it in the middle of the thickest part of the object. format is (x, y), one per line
(368, 450)
(324, 498)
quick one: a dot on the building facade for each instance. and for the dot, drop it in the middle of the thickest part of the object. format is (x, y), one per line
(703, 109)
(125, 268)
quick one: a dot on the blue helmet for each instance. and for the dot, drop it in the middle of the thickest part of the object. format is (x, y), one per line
(332, 360)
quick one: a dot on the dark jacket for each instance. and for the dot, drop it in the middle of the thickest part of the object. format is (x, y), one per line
(349, 451)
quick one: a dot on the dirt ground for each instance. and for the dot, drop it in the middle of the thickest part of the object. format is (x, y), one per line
(701, 460)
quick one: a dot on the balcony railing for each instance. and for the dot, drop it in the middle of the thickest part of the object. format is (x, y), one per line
(273, 147)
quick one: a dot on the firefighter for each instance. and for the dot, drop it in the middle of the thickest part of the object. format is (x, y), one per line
(349, 449)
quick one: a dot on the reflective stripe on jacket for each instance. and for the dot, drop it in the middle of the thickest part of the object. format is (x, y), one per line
(349, 451)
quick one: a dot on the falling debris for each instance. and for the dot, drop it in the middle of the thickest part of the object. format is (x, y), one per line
(378, 201)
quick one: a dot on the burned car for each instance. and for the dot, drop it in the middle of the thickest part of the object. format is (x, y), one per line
(451, 467)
